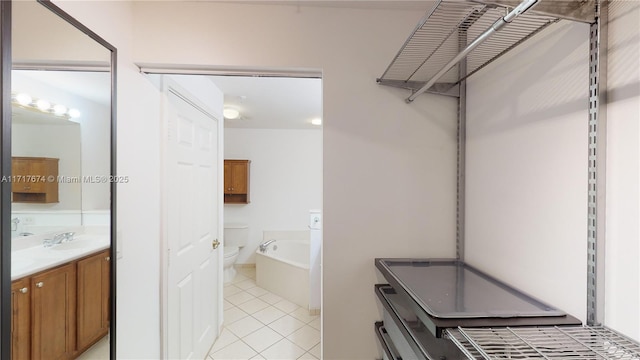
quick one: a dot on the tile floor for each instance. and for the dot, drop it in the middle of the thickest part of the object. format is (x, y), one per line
(262, 325)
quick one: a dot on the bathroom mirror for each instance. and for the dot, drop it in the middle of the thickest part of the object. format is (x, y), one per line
(62, 188)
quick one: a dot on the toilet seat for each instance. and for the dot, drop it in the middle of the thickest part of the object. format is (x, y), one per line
(230, 251)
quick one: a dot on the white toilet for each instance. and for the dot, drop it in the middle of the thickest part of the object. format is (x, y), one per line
(235, 237)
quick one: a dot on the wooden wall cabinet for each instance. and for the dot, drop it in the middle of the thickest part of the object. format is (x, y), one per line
(59, 313)
(34, 179)
(236, 181)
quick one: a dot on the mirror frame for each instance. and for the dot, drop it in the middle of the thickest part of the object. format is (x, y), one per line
(5, 166)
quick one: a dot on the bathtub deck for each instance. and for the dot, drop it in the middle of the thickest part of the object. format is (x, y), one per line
(261, 324)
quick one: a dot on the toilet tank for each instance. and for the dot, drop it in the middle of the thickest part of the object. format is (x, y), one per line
(236, 234)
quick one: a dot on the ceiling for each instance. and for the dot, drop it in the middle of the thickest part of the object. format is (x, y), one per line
(421, 5)
(271, 102)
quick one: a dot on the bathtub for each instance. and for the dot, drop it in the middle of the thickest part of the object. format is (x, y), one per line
(284, 270)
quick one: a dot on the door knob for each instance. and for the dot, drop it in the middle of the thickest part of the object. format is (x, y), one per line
(215, 244)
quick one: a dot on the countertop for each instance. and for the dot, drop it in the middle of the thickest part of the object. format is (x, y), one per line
(31, 259)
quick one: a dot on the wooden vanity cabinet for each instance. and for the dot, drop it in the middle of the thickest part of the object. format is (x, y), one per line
(53, 332)
(236, 181)
(21, 319)
(57, 314)
(34, 179)
(93, 299)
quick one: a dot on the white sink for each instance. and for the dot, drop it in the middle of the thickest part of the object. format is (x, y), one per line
(37, 258)
(73, 245)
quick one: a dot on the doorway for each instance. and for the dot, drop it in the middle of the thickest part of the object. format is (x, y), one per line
(275, 129)
(296, 329)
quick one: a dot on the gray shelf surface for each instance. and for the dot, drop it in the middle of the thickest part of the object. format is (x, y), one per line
(446, 288)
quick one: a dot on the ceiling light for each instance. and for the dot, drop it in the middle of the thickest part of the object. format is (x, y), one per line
(231, 114)
(316, 121)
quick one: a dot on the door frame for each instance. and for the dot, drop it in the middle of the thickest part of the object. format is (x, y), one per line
(168, 84)
(204, 70)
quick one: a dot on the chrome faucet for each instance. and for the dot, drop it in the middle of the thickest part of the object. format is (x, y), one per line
(14, 224)
(264, 245)
(58, 239)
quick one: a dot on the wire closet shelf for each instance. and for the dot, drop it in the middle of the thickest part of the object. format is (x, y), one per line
(571, 342)
(451, 25)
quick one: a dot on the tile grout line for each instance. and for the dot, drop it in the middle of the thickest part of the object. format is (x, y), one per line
(305, 323)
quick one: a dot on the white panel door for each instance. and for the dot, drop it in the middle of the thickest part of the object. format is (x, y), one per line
(191, 221)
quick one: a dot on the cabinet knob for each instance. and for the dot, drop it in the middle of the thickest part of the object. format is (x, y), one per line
(24, 290)
(39, 284)
(107, 258)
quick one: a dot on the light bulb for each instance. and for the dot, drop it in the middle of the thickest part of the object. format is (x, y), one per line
(74, 113)
(23, 99)
(59, 109)
(231, 114)
(43, 105)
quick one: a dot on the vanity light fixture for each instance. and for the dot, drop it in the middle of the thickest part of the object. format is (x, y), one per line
(230, 114)
(26, 101)
(316, 121)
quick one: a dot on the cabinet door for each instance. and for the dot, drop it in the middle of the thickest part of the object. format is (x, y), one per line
(239, 177)
(21, 319)
(27, 176)
(227, 177)
(93, 299)
(54, 313)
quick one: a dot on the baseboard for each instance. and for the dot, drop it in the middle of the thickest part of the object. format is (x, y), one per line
(245, 266)
(314, 312)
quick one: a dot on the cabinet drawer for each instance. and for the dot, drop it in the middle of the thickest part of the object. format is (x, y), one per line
(407, 332)
(389, 352)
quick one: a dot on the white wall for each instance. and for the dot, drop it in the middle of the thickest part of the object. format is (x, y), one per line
(389, 167)
(622, 272)
(527, 167)
(61, 142)
(285, 181)
(526, 171)
(95, 125)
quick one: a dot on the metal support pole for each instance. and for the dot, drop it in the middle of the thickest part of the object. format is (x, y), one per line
(597, 166)
(461, 159)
